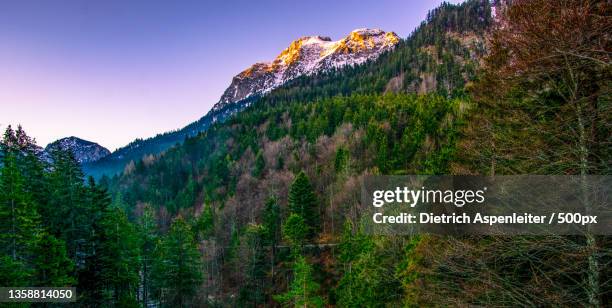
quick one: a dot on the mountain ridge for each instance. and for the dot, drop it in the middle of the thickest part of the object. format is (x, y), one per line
(307, 55)
(364, 44)
(84, 151)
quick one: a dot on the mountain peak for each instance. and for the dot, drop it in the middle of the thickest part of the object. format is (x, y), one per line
(84, 151)
(306, 56)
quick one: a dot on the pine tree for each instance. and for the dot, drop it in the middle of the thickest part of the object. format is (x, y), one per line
(68, 212)
(32, 168)
(178, 266)
(91, 285)
(303, 289)
(148, 234)
(205, 224)
(295, 230)
(341, 160)
(303, 202)
(14, 272)
(253, 291)
(53, 266)
(119, 253)
(260, 165)
(20, 227)
(271, 222)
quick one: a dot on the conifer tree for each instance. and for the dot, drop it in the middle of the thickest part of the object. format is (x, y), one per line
(271, 222)
(272, 231)
(205, 224)
(341, 160)
(14, 272)
(303, 202)
(119, 254)
(53, 266)
(148, 234)
(32, 168)
(68, 212)
(20, 228)
(260, 165)
(253, 291)
(295, 230)
(178, 266)
(92, 286)
(303, 289)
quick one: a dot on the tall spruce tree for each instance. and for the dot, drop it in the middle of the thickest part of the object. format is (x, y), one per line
(253, 290)
(19, 221)
(260, 165)
(147, 229)
(303, 289)
(20, 227)
(303, 202)
(205, 224)
(119, 253)
(53, 266)
(68, 212)
(178, 267)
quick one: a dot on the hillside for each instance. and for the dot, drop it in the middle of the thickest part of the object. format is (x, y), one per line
(398, 114)
(411, 67)
(304, 57)
(264, 207)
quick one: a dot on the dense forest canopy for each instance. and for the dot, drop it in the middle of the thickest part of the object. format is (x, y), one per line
(260, 209)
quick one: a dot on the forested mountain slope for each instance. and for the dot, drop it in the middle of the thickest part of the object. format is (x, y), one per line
(262, 209)
(440, 55)
(396, 115)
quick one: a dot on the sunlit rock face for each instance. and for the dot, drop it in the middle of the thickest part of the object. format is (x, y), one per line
(306, 56)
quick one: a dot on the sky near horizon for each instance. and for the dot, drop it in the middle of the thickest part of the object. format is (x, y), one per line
(115, 70)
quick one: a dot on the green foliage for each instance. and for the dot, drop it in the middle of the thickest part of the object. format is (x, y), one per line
(13, 272)
(177, 270)
(19, 218)
(341, 162)
(271, 222)
(53, 266)
(369, 278)
(20, 224)
(253, 291)
(260, 164)
(295, 230)
(205, 224)
(303, 289)
(119, 254)
(397, 132)
(68, 215)
(303, 203)
(147, 231)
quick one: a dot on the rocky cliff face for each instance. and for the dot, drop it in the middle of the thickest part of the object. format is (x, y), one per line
(84, 151)
(306, 56)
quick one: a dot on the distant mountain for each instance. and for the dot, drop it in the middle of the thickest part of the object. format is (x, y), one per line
(306, 56)
(84, 151)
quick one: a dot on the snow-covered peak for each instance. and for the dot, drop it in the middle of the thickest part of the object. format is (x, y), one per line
(305, 56)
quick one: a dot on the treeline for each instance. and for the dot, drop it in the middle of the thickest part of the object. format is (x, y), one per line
(57, 229)
(402, 134)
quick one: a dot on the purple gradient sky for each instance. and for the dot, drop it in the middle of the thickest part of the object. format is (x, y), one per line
(111, 71)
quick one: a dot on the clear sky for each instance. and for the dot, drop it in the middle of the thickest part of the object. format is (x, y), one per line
(111, 71)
